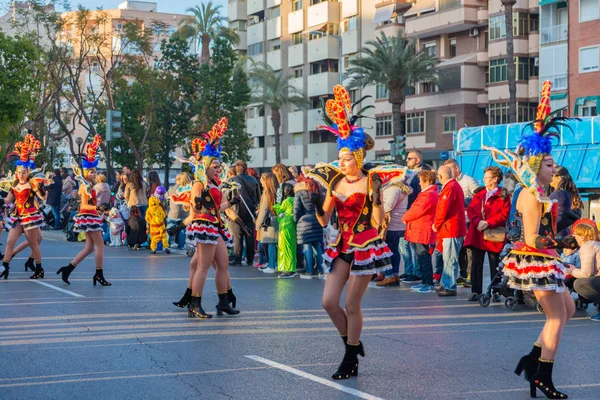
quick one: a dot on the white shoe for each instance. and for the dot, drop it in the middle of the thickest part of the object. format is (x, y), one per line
(269, 270)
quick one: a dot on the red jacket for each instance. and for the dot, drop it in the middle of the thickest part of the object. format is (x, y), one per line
(496, 209)
(419, 217)
(450, 213)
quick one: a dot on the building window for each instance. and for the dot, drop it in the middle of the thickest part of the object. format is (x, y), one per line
(588, 59)
(350, 24)
(353, 95)
(498, 70)
(330, 29)
(274, 12)
(255, 49)
(526, 112)
(486, 39)
(296, 5)
(534, 66)
(428, 87)
(449, 123)
(318, 101)
(497, 27)
(383, 126)
(415, 122)
(520, 24)
(588, 10)
(588, 109)
(410, 90)
(313, 2)
(95, 67)
(452, 48)
(259, 142)
(382, 92)
(261, 111)
(430, 48)
(534, 22)
(275, 44)
(324, 66)
(297, 72)
(321, 137)
(237, 26)
(498, 113)
(297, 38)
(251, 112)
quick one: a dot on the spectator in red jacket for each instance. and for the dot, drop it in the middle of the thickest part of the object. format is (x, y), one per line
(451, 227)
(419, 219)
(489, 209)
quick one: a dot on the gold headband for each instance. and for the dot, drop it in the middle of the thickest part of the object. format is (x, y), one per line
(359, 155)
(535, 162)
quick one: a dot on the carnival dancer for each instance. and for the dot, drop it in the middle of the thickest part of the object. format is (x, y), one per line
(534, 264)
(358, 252)
(26, 216)
(88, 219)
(206, 231)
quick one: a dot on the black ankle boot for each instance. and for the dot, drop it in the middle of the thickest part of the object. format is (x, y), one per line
(543, 380)
(529, 362)
(6, 270)
(185, 300)
(99, 277)
(231, 298)
(39, 272)
(66, 271)
(349, 365)
(224, 306)
(195, 309)
(344, 339)
(30, 263)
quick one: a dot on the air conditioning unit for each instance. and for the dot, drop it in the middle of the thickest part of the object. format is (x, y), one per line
(253, 19)
(474, 32)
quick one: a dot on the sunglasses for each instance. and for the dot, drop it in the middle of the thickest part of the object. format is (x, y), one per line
(411, 158)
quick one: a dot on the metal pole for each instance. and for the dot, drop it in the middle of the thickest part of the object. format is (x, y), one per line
(108, 139)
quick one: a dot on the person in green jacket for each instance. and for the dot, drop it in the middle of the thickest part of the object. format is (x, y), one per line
(286, 253)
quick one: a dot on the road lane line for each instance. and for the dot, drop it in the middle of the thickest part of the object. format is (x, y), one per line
(314, 378)
(57, 288)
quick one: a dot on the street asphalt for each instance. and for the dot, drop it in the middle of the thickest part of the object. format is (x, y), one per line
(128, 341)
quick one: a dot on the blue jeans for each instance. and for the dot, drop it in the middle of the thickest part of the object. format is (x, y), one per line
(438, 262)
(308, 256)
(56, 212)
(105, 232)
(262, 253)
(272, 249)
(143, 210)
(179, 237)
(450, 255)
(407, 252)
(392, 238)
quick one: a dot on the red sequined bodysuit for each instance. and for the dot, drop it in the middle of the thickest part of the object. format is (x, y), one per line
(24, 202)
(349, 209)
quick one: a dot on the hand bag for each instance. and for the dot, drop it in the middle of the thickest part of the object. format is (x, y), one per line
(497, 235)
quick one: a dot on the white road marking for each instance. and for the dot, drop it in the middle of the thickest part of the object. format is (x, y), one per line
(314, 378)
(57, 288)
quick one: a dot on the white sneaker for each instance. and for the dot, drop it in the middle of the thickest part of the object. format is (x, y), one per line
(269, 270)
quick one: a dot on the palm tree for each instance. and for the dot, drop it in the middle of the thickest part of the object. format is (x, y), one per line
(397, 64)
(273, 89)
(511, 72)
(206, 24)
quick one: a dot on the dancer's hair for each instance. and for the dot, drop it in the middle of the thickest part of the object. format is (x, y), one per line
(566, 183)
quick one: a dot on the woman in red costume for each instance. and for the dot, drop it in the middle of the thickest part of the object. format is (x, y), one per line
(207, 231)
(88, 220)
(534, 263)
(25, 217)
(358, 252)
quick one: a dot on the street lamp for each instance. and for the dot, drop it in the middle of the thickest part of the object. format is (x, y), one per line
(29, 125)
(52, 146)
(79, 141)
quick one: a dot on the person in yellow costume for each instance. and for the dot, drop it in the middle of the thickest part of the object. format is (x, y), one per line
(155, 217)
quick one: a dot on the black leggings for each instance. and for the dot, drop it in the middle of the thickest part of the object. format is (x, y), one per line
(588, 288)
(476, 259)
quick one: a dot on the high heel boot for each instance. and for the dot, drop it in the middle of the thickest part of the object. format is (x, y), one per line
(224, 306)
(39, 272)
(231, 297)
(195, 309)
(99, 277)
(185, 300)
(66, 272)
(543, 380)
(529, 362)
(4, 273)
(349, 365)
(30, 263)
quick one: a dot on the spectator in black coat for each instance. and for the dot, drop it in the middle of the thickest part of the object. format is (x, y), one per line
(135, 229)
(54, 197)
(246, 210)
(566, 194)
(309, 231)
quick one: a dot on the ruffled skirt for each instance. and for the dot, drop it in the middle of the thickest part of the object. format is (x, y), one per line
(203, 232)
(534, 272)
(28, 222)
(368, 260)
(87, 223)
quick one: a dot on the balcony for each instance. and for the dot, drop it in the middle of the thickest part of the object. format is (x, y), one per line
(500, 92)
(323, 83)
(497, 48)
(257, 157)
(314, 119)
(349, 42)
(322, 13)
(274, 59)
(273, 3)
(236, 10)
(273, 28)
(270, 160)
(243, 44)
(255, 6)
(297, 83)
(295, 55)
(440, 100)
(256, 33)
(296, 121)
(255, 126)
(452, 16)
(349, 8)
(554, 34)
(327, 47)
(321, 152)
(559, 82)
(295, 155)
(296, 21)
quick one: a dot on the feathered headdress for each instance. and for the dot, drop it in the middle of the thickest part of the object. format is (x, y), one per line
(339, 120)
(26, 151)
(91, 156)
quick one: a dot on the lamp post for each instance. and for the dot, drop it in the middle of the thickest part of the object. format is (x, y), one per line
(52, 146)
(79, 141)
(29, 125)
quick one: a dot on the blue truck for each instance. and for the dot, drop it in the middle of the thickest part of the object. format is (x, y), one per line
(578, 150)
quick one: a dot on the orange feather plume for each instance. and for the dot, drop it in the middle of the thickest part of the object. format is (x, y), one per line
(543, 109)
(91, 149)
